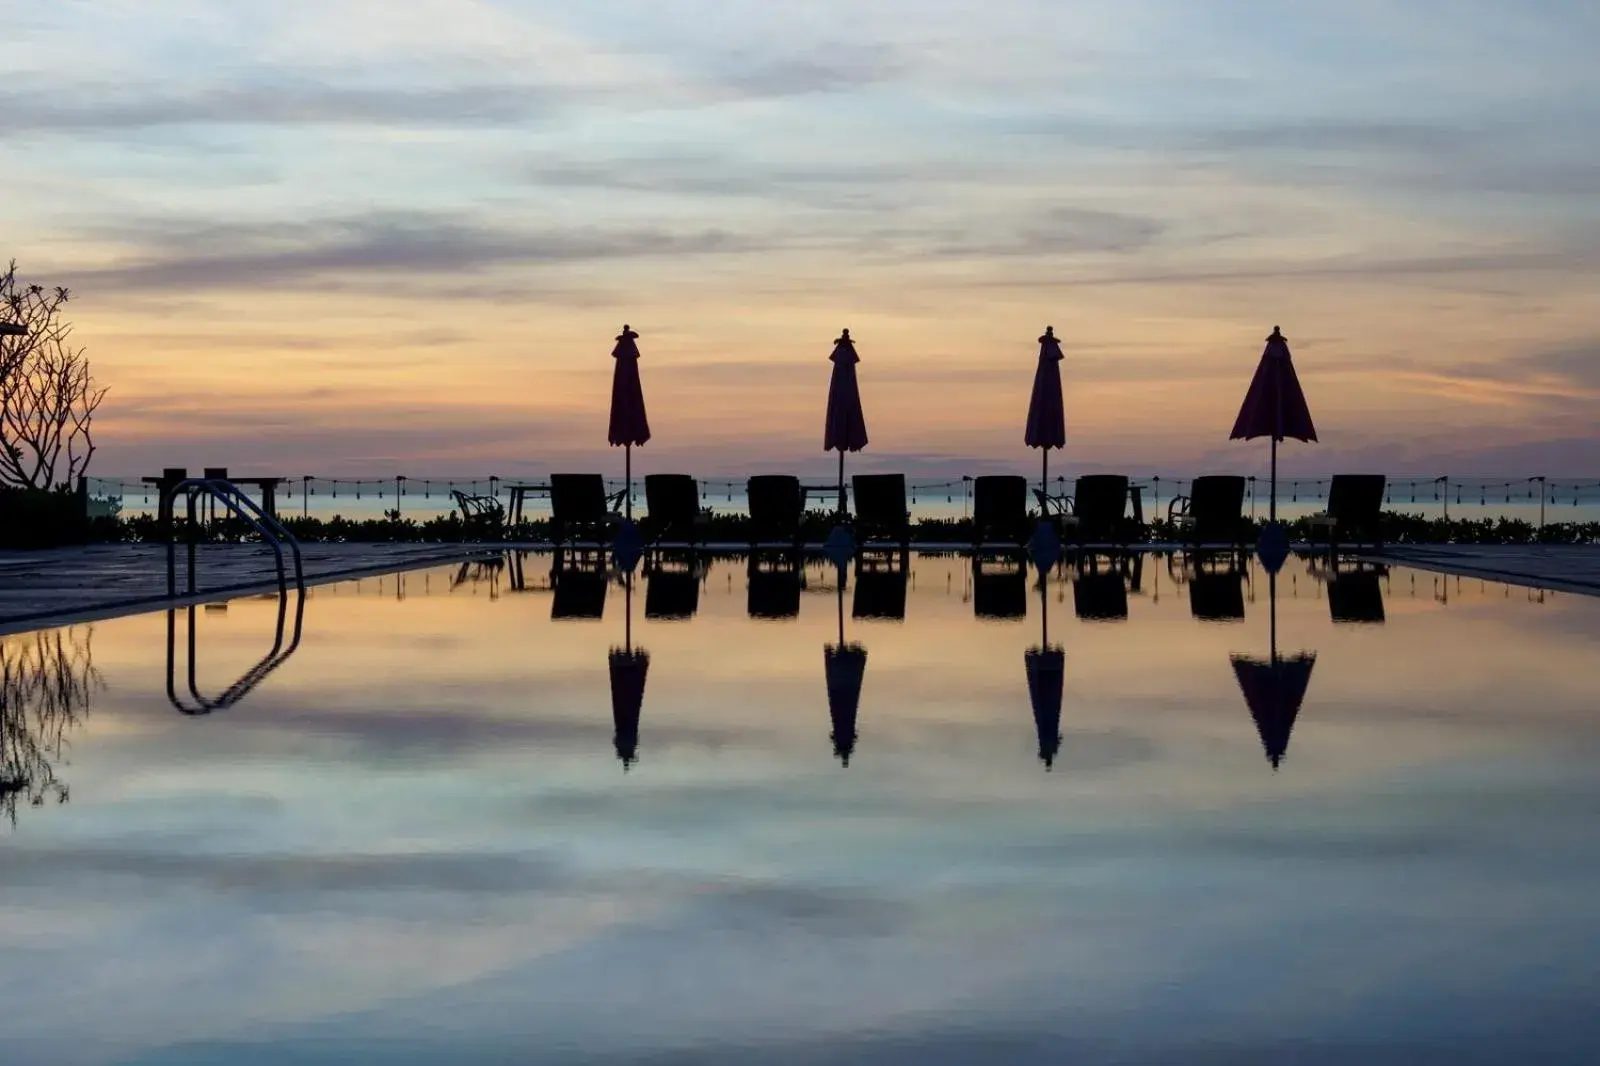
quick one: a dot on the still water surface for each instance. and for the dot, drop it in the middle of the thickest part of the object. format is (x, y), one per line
(437, 832)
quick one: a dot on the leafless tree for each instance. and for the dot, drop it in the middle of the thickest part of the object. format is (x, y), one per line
(48, 395)
(47, 680)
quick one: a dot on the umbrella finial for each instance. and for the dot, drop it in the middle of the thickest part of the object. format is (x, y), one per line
(627, 333)
(844, 336)
(1275, 331)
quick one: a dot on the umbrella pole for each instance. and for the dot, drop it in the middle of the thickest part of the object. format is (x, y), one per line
(627, 469)
(627, 613)
(1044, 482)
(841, 485)
(1272, 613)
(1272, 505)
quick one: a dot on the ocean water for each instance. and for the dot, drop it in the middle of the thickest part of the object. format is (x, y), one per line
(1148, 811)
(1564, 500)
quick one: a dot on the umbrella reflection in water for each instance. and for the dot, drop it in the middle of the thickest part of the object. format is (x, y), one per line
(628, 666)
(1275, 688)
(1046, 666)
(845, 667)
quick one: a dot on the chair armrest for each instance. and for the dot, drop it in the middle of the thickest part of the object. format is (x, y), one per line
(1178, 508)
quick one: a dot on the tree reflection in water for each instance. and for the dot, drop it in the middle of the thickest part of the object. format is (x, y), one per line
(47, 680)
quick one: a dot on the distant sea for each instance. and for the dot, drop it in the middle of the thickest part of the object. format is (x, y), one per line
(1474, 498)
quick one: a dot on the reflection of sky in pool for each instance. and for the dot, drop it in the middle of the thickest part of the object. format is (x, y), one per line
(414, 841)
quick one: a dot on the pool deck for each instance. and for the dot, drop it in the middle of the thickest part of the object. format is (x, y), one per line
(1559, 567)
(41, 588)
(44, 588)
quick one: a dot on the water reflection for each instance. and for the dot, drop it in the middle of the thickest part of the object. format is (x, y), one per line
(1000, 587)
(845, 668)
(775, 582)
(1355, 593)
(1216, 583)
(197, 703)
(1046, 667)
(628, 667)
(672, 588)
(1274, 688)
(47, 682)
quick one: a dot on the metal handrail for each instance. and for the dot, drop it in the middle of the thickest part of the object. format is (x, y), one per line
(272, 531)
(250, 678)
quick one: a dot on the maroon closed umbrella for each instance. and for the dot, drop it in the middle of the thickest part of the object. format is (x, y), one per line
(1274, 407)
(846, 428)
(1047, 416)
(1275, 688)
(629, 426)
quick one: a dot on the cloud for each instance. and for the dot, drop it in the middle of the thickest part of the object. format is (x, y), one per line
(293, 103)
(295, 255)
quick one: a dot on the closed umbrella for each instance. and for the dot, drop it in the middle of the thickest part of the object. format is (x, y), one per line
(1275, 688)
(845, 667)
(1047, 418)
(846, 428)
(1274, 407)
(628, 666)
(629, 426)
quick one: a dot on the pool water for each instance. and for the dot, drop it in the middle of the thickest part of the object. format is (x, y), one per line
(1153, 813)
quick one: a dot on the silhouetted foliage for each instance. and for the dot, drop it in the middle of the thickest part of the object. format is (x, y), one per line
(48, 395)
(47, 680)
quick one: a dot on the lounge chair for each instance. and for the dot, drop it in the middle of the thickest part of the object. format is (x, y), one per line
(1356, 597)
(672, 503)
(1000, 509)
(1001, 592)
(881, 509)
(481, 516)
(580, 510)
(776, 505)
(774, 593)
(671, 594)
(1355, 502)
(1212, 513)
(1100, 506)
(880, 594)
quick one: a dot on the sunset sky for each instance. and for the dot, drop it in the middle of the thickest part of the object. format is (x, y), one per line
(365, 237)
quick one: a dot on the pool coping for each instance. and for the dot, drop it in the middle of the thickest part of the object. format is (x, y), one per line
(27, 623)
(1444, 559)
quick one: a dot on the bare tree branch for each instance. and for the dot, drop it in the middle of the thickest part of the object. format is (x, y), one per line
(48, 395)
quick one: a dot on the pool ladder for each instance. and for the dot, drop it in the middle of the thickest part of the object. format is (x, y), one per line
(233, 499)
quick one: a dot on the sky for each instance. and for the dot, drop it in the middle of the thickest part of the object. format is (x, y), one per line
(350, 237)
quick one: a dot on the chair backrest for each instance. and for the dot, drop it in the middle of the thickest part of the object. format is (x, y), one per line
(1216, 506)
(1356, 597)
(999, 500)
(775, 502)
(1100, 499)
(577, 497)
(672, 594)
(579, 594)
(880, 594)
(671, 499)
(1100, 596)
(880, 498)
(773, 593)
(1217, 596)
(1356, 498)
(1217, 499)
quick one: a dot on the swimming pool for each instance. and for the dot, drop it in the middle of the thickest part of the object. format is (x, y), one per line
(734, 813)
